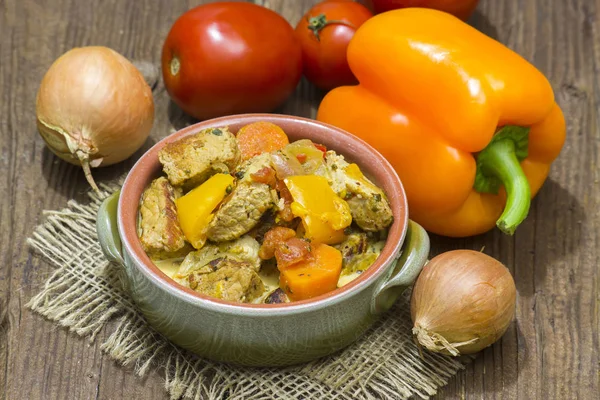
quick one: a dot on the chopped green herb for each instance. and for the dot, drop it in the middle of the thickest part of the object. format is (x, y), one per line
(217, 132)
(229, 189)
(239, 174)
(377, 197)
(334, 167)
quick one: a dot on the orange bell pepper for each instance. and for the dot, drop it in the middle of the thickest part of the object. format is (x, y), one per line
(469, 125)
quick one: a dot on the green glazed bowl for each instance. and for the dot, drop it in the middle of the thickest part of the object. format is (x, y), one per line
(265, 334)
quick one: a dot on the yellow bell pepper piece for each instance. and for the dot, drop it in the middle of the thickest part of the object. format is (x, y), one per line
(194, 210)
(324, 214)
(354, 172)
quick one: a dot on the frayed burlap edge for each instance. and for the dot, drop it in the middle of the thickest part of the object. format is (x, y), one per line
(85, 293)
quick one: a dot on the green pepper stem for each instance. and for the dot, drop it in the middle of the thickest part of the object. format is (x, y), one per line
(499, 160)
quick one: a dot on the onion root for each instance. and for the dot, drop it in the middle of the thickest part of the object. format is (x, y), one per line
(85, 164)
(435, 342)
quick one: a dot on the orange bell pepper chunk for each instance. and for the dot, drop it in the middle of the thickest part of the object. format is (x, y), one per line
(313, 276)
(432, 103)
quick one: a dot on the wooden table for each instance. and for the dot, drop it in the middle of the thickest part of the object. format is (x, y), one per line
(551, 352)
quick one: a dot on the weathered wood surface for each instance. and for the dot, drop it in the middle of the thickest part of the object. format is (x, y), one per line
(550, 352)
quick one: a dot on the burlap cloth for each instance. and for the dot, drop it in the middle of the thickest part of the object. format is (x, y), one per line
(85, 295)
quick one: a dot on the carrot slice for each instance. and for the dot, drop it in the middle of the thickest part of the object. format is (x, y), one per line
(260, 137)
(312, 276)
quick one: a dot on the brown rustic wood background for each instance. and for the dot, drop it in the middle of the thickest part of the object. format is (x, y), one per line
(550, 352)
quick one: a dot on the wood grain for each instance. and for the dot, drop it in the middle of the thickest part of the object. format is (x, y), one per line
(550, 352)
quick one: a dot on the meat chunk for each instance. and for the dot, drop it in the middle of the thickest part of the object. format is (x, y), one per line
(368, 204)
(230, 280)
(246, 204)
(241, 212)
(159, 229)
(277, 296)
(190, 161)
(359, 252)
(226, 271)
(244, 249)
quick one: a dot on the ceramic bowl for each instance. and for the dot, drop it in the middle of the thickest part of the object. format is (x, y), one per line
(265, 334)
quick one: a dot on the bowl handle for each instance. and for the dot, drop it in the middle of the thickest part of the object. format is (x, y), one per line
(406, 269)
(106, 227)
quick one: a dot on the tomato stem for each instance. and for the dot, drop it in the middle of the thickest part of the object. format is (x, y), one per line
(316, 24)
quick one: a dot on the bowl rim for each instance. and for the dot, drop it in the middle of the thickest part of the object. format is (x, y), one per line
(148, 164)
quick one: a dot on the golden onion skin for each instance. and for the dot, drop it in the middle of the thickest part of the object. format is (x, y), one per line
(462, 302)
(94, 107)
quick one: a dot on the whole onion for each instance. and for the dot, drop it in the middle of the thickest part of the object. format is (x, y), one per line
(462, 302)
(94, 108)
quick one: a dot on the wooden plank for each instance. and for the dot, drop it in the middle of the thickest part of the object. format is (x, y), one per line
(551, 351)
(36, 351)
(5, 187)
(41, 360)
(62, 365)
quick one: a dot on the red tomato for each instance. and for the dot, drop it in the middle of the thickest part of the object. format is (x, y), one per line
(324, 32)
(460, 8)
(229, 58)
